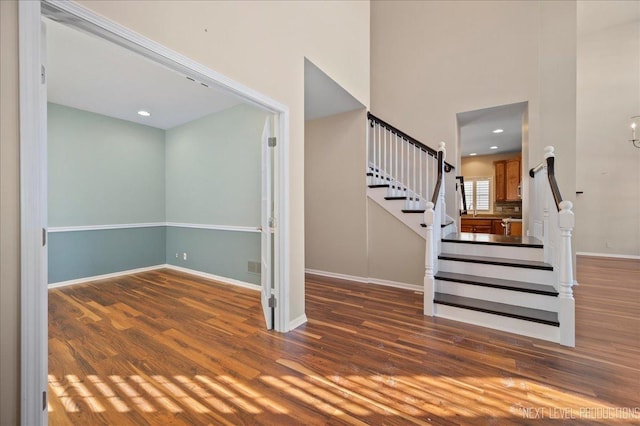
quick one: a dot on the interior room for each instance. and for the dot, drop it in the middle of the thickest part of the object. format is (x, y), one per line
(136, 222)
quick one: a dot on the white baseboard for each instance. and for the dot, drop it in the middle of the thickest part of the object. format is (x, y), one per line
(297, 322)
(214, 277)
(376, 281)
(219, 278)
(104, 276)
(615, 256)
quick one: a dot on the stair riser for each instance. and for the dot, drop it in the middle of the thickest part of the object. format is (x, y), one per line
(521, 253)
(498, 322)
(517, 298)
(496, 271)
(412, 220)
(450, 228)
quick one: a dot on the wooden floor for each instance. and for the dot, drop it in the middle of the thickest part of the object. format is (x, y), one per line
(166, 348)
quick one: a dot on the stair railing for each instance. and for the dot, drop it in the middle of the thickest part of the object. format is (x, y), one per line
(434, 214)
(396, 159)
(552, 222)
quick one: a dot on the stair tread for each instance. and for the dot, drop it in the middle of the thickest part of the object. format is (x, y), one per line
(424, 225)
(521, 286)
(412, 211)
(502, 309)
(492, 239)
(500, 261)
(382, 185)
(395, 198)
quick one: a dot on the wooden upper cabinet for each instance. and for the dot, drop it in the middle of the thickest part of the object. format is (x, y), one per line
(500, 180)
(507, 179)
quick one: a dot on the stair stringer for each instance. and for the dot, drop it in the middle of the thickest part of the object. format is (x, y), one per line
(394, 207)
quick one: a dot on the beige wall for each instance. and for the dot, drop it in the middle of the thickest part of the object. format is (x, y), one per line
(433, 59)
(9, 216)
(335, 194)
(345, 232)
(263, 46)
(396, 253)
(482, 165)
(608, 167)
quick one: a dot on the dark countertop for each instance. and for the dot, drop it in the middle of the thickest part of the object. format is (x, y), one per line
(491, 216)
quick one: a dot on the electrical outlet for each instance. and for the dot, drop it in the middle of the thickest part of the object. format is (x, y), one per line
(184, 256)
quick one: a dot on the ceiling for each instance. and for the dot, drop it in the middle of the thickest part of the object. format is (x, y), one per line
(476, 129)
(92, 74)
(323, 96)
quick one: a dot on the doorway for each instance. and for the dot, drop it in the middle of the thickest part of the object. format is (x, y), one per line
(34, 177)
(492, 145)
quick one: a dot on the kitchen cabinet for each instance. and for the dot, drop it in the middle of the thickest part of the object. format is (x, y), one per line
(507, 179)
(479, 226)
(488, 226)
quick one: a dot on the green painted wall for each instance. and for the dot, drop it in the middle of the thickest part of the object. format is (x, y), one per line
(81, 254)
(214, 167)
(106, 171)
(224, 253)
(103, 170)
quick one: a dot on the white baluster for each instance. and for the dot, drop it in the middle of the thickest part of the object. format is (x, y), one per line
(368, 149)
(420, 176)
(430, 260)
(396, 156)
(566, 317)
(379, 161)
(402, 178)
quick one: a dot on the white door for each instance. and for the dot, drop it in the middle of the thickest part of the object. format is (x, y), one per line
(266, 271)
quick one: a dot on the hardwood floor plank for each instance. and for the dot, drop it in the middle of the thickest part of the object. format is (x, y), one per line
(167, 348)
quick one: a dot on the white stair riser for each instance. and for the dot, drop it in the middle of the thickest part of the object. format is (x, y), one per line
(412, 220)
(510, 297)
(449, 229)
(520, 253)
(537, 276)
(499, 322)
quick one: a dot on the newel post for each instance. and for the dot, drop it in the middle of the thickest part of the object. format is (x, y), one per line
(429, 269)
(566, 221)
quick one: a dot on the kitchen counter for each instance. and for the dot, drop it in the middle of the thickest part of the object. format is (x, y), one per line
(491, 216)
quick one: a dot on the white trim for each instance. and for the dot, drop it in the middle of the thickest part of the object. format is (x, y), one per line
(33, 220)
(376, 281)
(297, 322)
(152, 225)
(214, 277)
(214, 227)
(33, 192)
(54, 229)
(615, 256)
(104, 276)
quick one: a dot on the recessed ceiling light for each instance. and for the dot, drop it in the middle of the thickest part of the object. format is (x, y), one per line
(498, 131)
(472, 154)
(144, 113)
(493, 147)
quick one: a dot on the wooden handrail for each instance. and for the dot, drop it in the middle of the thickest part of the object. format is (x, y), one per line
(551, 175)
(436, 190)
(447, 167)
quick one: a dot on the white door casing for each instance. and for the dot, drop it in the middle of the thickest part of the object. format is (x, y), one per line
(33, 178)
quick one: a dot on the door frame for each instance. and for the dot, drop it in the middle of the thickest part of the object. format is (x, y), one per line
(33, 179)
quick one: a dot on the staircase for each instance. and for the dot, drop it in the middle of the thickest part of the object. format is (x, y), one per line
(521, 285)
(480, 281)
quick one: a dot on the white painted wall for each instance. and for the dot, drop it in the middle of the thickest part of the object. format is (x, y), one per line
(263, 45)
(608, 166)
(431, 60)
